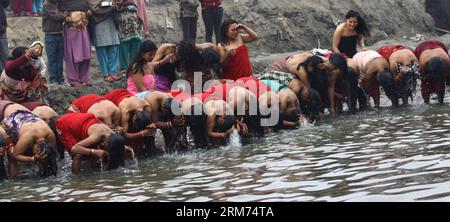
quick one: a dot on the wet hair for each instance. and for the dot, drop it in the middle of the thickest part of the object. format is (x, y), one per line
(3, 175)
(436, 68)
(291, 117)
(168, 114)
(351, 83)
(138, 63)
(228, 123)
(224, 30)
(212, 59)
(17, 52)
(312, 107)
(197, 124)
(253, 123)
(59, 145)
(189, 55)
(319, 79)
(361, 28)
(338, 60)
(386, 81)
(116, 150)
(48, 166)
(143, 119)
(314, 61)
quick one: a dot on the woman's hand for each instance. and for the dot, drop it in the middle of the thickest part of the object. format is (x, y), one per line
(170, 58)
(39, 156)
(231, 52)
(129, 151)
(178, 121)
(98, 153)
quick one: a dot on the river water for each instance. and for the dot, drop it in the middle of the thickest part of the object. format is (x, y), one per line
(387, 155)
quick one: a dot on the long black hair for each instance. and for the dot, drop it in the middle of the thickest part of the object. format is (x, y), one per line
(138, 63)
(386, 81)
(143, 119)
(224, 30)
(116, 150)
(3, 175)
(338, 60)
(436, 68)
(59, 145)
(311, 108)
(48, 166)
(197, 125)
(211, 59)
(189, 55)
(361, 28)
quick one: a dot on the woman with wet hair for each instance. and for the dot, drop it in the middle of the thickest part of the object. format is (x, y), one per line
(136, 119)
(350, 34)
(28, 138)
(84, 137)
(290, 112)
(323, 74)
(434, 68)
(292, 72)
(164, 113)
(405, 69)
(220, 120)
(205, 62)
(233, 50)
(374, 72)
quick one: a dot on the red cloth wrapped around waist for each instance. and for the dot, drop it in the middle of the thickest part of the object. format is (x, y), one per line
(117, 96)
(387, 51)
(83, 103)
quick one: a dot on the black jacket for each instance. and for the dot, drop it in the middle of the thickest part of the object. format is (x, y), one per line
(3, 21)
(52, 18)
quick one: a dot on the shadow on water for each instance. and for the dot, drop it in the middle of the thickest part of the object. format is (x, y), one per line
(382, 155)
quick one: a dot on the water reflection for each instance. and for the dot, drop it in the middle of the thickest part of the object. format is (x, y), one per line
(385, 155)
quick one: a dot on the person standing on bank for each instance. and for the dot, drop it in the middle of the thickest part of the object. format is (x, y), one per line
(350, 34)
(105, 37)
(52, 25)
(77, 47)
(212, 13)
(3, 37)
(188, 18)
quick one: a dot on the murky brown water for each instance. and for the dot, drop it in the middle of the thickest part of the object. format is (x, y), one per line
(387, 155)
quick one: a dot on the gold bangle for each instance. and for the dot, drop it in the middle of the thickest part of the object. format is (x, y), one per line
(92, 152)
(32, 158)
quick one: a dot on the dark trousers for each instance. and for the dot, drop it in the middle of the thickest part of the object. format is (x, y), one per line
(212, 17)
(54, 47)
(189, 25)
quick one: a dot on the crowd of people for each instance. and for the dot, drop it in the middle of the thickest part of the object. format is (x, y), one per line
(202, 91)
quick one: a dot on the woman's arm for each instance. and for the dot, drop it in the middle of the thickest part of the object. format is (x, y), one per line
(361, 42)
(250, 36)
(19, 149)
(337, 39)
(83, 147)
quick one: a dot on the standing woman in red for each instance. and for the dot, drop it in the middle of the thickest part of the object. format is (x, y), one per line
(233, 51)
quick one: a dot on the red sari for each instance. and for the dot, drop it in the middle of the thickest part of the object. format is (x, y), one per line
(239, 65)
(73, 128)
